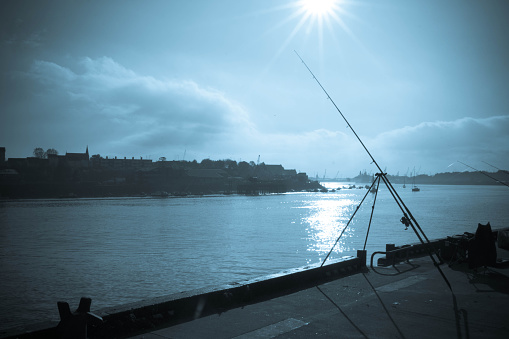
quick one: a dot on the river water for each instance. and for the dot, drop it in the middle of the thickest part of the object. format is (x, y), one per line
(129, 249)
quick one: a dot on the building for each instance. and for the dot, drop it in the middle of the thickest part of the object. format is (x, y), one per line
(120, 164)
(77, 160)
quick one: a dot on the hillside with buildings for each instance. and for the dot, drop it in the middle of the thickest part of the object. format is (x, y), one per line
(49, 175)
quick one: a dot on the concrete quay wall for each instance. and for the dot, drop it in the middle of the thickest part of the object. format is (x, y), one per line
(129, 319)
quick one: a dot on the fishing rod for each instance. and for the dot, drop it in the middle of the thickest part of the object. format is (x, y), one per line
(507, 172)
(408, 219)
(486, 174)
(337, 108)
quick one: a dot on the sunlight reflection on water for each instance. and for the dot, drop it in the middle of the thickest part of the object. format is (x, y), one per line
(325, 220)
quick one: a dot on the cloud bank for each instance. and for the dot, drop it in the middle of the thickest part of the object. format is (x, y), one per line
(128, 111)
(117, 112)
(434, 145)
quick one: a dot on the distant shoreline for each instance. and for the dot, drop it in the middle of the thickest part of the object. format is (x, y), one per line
(500, 177)
(216, 194)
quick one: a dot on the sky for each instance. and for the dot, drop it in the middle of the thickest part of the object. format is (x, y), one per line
(422, 83)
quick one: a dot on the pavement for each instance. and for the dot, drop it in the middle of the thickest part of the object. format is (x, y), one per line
(408, 300)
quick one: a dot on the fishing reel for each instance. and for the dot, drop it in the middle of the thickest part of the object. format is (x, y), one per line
(405, 221)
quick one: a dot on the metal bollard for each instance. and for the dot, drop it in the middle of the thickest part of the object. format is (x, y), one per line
(390, 256)
(361, 254)
(74, 325)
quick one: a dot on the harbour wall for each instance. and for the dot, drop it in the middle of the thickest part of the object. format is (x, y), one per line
(132, 318)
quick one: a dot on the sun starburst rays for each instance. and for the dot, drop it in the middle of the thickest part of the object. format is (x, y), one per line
(314, 21)
(320, 13)
(322, 17)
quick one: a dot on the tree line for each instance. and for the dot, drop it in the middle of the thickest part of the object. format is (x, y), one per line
(40, 153)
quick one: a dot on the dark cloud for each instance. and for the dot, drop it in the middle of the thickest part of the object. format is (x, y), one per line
(110, 104)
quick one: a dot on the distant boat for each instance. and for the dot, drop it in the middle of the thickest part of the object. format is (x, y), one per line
(414, 188)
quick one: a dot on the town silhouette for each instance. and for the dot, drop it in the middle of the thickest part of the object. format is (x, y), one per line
(49, 175)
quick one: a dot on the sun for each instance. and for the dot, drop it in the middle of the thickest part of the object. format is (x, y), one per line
(315, 16)
(319, 8)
